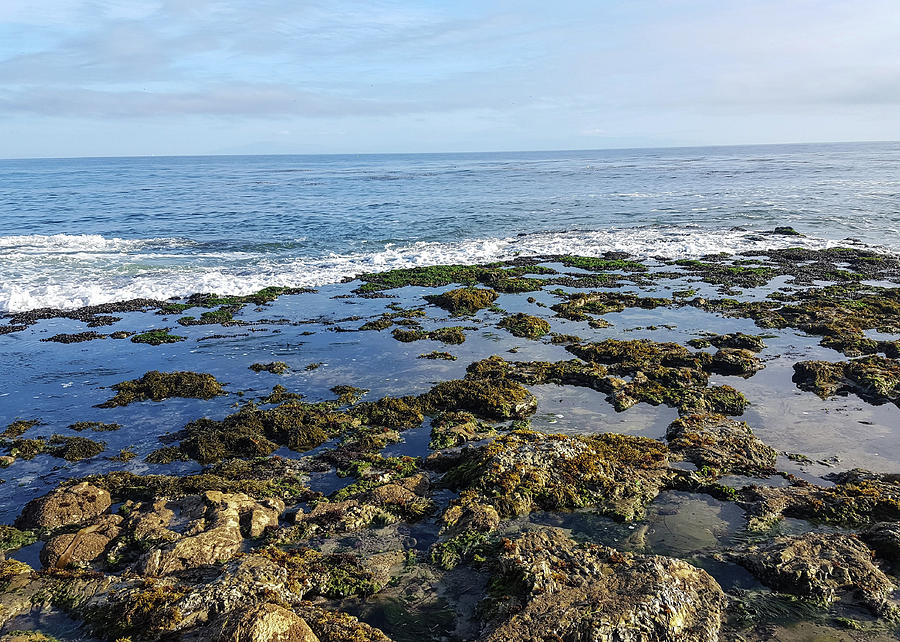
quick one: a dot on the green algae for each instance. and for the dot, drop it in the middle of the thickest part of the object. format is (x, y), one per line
(873, 378)
(275, 367)
(392, 412)
(348, 395)
(463, 300)
(436, 355)
(12, 539)
(504, 277)
(280, 394)
(74, 448)
(16, 428)
(451, 429)
(259, 478)
(602, 264)
(157, 386)
(156, 337)
(311, 572)
(491, 399)
(379, 324)
(453, 335)
(525, 326)
(737, 340)
(93, 426)
(526, 470)
(166, 455)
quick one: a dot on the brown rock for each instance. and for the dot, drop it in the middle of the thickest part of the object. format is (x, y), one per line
(267, 623)
(64, 506)
(81, 548)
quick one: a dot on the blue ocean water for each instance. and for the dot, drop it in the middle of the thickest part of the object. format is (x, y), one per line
(85, 231)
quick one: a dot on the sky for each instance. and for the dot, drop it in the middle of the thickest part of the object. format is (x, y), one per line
(161, 77)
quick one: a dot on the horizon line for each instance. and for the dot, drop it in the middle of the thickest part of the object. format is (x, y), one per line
(462, 153)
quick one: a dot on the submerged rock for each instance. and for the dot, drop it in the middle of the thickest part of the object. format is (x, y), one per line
(562, 590)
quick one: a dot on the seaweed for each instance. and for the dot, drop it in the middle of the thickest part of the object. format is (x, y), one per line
(157, 386)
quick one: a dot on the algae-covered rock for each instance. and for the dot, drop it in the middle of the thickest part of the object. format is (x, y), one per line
(16, 428)
(721, 444)
(450, 429)
(275, 367)
(491, 399)
(93, 426)
(156, 337)
(157, 386)
(875, 379)
(826, 566)
(563, 590)
(735, 361)
(464, 300)
(526, 470)
(858, 497)
(75, 448)
(737, 340)
(525, 326)
(64, 506)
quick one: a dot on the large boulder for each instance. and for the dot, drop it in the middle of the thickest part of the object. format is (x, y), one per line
(65, 506)
(588, 593)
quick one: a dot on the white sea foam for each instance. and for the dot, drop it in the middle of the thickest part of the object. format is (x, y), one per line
(100, 270)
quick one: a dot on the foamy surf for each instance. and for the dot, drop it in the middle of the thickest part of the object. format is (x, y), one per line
(94, 269)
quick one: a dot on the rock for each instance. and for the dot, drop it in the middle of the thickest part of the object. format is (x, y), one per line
(873, 378)
(723, 444)
(65, 506)
(393, 494)
(267, 623)
(526, 470)
(884, 539)
(213, 533)
(81, 548)
(735, 361)
(586, 593)
(418, 483)
(826, 566)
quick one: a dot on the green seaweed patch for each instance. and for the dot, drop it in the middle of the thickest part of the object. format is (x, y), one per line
(18, 427)
(315, 365)
(78, 337)
(502, 276)
(156, 337)
(382, 323)
(141, 613)
(489, 398)
(451, 429)
(602, 264)
(280, 394)
(348, 395)
(93, 426)
(275, 367)
(74, 448)
(260, 297)
(463, 300)
(335, 575)
(525, 326)
(166, 455)
(392, 412)
(157, 386)
(453, 335)
(872, 378)
(12, 539)
(472, 547)
(436, 355)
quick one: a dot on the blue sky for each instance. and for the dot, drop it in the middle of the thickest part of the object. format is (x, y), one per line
(136, 77)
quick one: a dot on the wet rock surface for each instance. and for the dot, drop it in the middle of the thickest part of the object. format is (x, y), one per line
(614, 479)
(569, 591)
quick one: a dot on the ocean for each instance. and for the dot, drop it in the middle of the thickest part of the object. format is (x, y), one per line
(93, 230)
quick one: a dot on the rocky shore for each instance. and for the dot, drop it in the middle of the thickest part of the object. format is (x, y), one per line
(444, 462)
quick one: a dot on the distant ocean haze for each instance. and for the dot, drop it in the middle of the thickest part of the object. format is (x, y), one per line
(86, 231)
